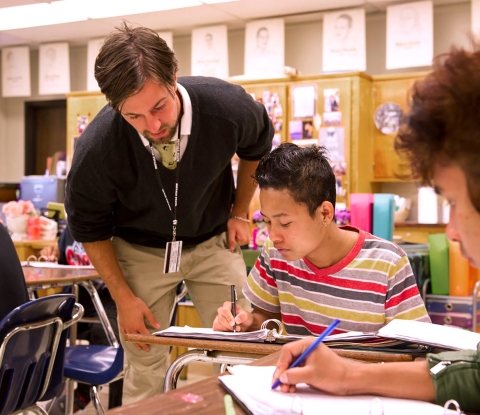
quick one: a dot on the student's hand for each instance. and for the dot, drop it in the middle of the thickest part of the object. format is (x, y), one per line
(225, 321)
(52, 253)
(238, 231)
(131, 319)
(323, 369)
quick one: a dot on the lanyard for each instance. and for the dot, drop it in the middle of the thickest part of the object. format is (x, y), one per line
(177, 175)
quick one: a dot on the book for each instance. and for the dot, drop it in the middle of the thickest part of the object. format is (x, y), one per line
(250, 386)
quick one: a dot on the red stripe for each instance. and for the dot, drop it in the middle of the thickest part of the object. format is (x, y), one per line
(263, 274)
(403, 296)
(316, 329)
(351, 284)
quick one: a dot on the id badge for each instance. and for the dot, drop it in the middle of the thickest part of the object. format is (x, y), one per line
(173, 253)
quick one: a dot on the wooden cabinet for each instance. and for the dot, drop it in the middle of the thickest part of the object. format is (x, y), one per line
(81, 109)
(355, 108)
(388, 166)
(417, 233)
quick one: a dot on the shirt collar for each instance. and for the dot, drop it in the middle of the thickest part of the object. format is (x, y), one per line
(186, 122)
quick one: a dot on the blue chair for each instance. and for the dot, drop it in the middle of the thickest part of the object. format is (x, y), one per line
(98, 365)
(33, 338)
(94, 365)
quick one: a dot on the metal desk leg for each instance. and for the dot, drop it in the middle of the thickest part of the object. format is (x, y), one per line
(200, 355)
(88, 285)
(475, 294)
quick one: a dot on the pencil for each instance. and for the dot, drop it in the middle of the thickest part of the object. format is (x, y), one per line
(310, 349)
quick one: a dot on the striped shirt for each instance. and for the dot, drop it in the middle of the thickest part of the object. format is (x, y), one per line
(372, 285)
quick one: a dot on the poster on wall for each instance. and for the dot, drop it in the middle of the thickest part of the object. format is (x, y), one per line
(333, 139)
(16, 72)
(304, 99)
(265, 48)
(344, 41)
(167, 37)
(210, 51)
(93, 48)
(475, 13)
(410, 35)
(54, 69)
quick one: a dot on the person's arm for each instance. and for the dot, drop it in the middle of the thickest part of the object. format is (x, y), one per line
(132, 311)
(244, 320)
(238, 230)
(326, 371)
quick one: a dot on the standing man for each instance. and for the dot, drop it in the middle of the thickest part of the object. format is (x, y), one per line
(441, 138)
(151, 195)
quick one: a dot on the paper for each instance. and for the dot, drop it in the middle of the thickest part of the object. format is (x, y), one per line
(251, 386)
(265, 48)
(54, 69)
(344, 45)
(210, 334)
(210, 51)
(93, 47)
(16, 72)
(431, 334)
(44, 264)
(410, 35)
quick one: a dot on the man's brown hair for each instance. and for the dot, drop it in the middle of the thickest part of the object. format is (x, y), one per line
(128, 58)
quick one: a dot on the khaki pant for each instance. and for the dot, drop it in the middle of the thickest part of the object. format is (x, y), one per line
(208, 270)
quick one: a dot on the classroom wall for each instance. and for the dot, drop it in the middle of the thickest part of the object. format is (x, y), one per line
(303, 50)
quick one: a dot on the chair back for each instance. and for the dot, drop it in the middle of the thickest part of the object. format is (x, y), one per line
(32, 350)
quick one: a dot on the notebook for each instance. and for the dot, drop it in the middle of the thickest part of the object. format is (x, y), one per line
(250, 386)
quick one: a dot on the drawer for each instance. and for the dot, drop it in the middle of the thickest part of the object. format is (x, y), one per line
(453, 319)
(449, 303)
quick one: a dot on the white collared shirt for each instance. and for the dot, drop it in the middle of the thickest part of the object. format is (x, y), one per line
(185, 125)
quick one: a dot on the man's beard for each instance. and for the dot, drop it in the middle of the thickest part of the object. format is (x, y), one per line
(166, 138)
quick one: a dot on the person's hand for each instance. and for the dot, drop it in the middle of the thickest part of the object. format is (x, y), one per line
(323, 369)
(131, 319)
(51, 253)
(225, 321)
(238, 231)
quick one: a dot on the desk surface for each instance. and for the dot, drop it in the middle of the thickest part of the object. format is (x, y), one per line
(260, 348)
(57, 276)
(172, 402)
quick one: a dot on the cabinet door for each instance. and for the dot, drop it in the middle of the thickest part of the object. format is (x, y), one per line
(80, 110)
(388, 165)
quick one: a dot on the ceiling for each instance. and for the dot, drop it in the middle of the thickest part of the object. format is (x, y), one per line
(181, 21)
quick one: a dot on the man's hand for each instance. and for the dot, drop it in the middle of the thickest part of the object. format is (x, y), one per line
(131, 319)
(238, 231)
(323, 369)
(225, 321)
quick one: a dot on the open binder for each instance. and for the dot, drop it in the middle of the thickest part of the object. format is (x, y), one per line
(250, 386)
(263, 335)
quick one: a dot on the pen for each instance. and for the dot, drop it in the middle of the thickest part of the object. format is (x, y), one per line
(310, 349)
(228, 402)
(233, 292)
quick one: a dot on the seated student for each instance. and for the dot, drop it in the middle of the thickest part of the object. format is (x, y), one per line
(311, 271)
(70, 252)
(14, 289)
(441, 138)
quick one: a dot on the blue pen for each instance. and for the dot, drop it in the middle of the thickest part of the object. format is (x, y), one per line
(310, 349)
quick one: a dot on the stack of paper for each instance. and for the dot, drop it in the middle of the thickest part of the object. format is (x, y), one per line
(251, 387)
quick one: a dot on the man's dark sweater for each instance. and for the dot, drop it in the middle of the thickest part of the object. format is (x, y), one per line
(112, 188)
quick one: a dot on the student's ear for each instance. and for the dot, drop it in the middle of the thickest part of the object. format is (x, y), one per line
(326, 213)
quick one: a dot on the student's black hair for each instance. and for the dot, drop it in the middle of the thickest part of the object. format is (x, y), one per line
(305, 172)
